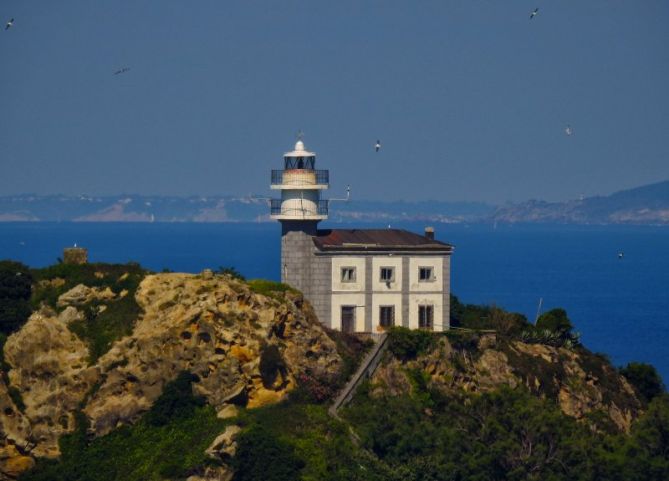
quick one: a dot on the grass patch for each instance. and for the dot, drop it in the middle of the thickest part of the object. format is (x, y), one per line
(271, 289)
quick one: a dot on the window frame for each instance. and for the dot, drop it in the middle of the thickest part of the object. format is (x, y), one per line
(426, 317)
(392, 274)
(391, 309)
(429, 269)
(353, 277)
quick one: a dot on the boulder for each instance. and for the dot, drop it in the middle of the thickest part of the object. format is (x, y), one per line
(80, 295)
(224, 446)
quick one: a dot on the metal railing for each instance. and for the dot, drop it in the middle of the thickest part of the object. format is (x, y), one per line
(310, 177)
(276, 208)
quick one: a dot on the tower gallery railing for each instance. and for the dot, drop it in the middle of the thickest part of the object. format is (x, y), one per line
(300, 177)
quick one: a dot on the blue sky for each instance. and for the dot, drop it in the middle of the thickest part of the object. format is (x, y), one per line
(470, 99)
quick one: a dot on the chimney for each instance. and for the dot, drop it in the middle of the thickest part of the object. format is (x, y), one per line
(429, 233)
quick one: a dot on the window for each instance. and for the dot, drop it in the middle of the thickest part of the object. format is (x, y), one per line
(426, 317)
(387, 274)
(387, 316)
(425, 274)
(348, 274)
(348, 319)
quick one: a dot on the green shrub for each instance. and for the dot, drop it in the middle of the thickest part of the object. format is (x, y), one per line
(645, 379)
(463, 340)
(269, 288)
(263, 457)
(15, 290)
(232, 272)
(177, 401)
(556, 321)
(407, 344)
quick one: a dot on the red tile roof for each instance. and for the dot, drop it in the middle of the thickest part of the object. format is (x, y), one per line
(376, 239)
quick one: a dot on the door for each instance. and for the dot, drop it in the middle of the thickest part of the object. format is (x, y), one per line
(348, 319)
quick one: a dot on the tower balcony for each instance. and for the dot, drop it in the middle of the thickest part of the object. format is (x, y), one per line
(291, 210)
(294, 179)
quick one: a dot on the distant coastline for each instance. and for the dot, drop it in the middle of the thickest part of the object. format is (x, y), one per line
(646, 205)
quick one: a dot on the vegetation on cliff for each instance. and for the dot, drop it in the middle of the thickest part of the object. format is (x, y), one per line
(181, 360)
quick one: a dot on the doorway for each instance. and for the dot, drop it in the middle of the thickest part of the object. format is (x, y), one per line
(348, 319)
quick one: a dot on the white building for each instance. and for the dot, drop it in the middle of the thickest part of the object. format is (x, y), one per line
(358, 280)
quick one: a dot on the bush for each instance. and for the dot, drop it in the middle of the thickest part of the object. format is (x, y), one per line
(231, 272)
(263, 457)
(177, 401)
(645, 379)
(269, 288)
(556, 321)
(15, 290)
(407, 344)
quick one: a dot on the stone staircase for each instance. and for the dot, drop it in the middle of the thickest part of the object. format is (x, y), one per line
(365, 371)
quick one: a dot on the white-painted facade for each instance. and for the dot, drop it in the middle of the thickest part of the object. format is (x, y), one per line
(384, 288)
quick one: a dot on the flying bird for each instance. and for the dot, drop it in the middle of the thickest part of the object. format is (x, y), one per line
(9, 24)
(377, 147)
(534, 13)
(568, 130)
(123, 70)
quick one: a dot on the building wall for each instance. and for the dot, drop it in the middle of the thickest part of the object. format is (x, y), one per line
(422, 298)
(348, 299)
(394, 262)
(318, 275)
(386, 299)
(433, 262)
(303, 270)
(405, 292)
(358, 263)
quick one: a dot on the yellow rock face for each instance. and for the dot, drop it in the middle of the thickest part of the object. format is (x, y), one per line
(242, 354)
(211, 326)
(12, 462)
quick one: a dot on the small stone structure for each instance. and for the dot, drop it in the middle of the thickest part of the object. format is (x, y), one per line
(75, 255)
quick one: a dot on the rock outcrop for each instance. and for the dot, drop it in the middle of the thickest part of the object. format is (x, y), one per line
(212, 326)
(50, 371)
(579, 382)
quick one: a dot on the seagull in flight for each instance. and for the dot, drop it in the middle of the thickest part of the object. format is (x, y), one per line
(9, 24)
(377, 147)
(123, 70)
(568, 130)
(534, 13)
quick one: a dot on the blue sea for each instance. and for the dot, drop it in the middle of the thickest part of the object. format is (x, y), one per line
(620, 306)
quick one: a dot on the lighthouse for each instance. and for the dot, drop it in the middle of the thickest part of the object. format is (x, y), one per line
(299, 210)
(357, 280)
(300, 205)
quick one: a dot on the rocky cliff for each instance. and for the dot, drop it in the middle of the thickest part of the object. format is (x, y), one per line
(582, 384)
(214, 327)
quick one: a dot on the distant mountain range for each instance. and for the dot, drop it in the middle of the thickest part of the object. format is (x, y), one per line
(643, 205)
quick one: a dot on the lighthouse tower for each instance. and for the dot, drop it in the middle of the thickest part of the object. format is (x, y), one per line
(299, 210)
